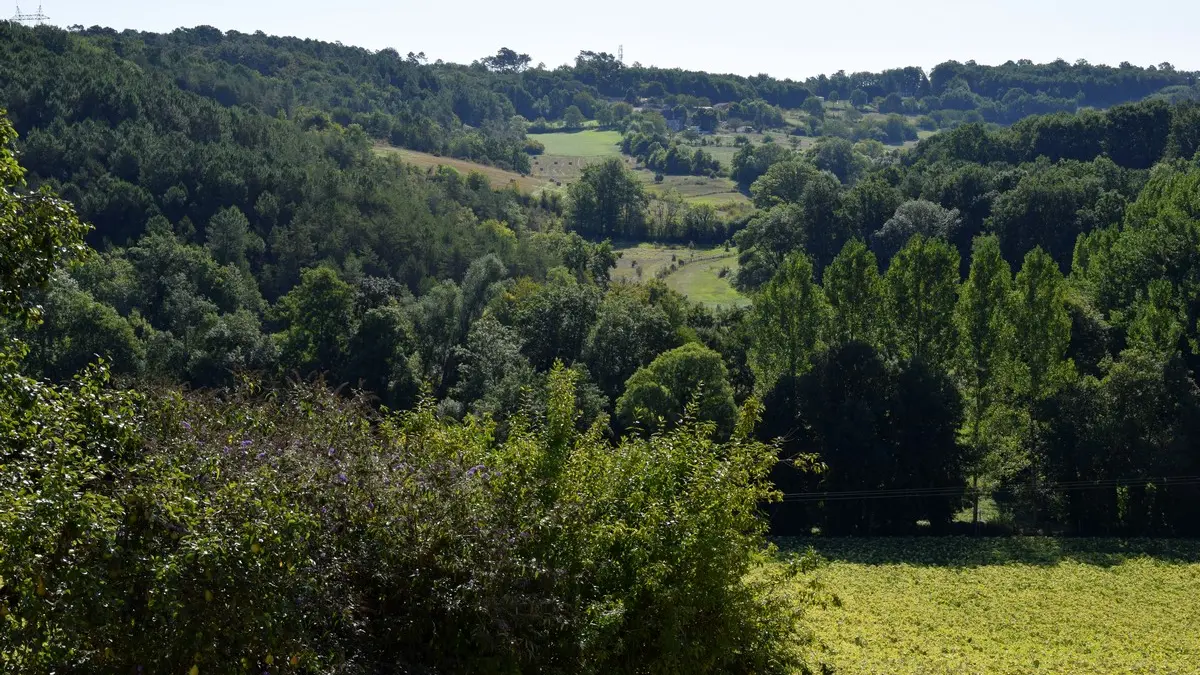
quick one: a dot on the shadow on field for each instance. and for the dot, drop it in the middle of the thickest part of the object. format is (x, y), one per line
(972, 552)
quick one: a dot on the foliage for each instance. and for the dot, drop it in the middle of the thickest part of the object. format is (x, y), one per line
(873, 424)
(307, 533)
(669, 156)
(319, 315)
(922, 286)
(252, 223)
(766, 241)
(38, 232)
(914, 217)
(301, 531)
(855, 294)
(752, 161)
(608, 201)
(787, 318)
(986, 335)
(837, 156)
(1039, 317)
(628, 334)
(783, 182)
(685, 383)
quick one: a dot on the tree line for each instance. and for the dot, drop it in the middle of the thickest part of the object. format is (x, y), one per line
(480, 111)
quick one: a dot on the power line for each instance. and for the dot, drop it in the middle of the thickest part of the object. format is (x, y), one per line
(1062, 486)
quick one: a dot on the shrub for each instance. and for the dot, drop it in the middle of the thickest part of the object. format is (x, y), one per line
(300, 531)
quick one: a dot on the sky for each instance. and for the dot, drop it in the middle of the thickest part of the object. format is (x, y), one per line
(783, 39)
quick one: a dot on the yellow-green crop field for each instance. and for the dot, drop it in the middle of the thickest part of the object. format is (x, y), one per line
(1006, 607)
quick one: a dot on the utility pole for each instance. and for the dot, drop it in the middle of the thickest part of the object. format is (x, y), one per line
(975, 520)
(37, 17)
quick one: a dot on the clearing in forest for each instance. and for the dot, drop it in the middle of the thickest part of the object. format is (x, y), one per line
(728, 148)
(695, 189)
(562, 170)
(496, 176)
(580, 143)
(703, 275)
(567, 153)
(1003, 606)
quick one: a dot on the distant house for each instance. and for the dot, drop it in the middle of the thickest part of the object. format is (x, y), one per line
(674, 123)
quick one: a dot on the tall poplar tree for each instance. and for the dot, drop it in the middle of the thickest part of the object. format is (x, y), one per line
(854, 290)
(922, 290)
(787, 317)
(1038, 314)
(984, 332)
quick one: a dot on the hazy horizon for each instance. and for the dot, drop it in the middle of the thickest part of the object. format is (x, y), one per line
(779, 40)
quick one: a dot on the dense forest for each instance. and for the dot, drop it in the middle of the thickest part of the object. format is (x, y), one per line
(478, 111)
(235, 235)
(1009, 309)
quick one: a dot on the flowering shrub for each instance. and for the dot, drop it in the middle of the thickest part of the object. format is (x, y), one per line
(298, 531)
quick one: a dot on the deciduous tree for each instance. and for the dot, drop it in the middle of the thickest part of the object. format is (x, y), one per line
(922, 289)
(657, 395)
(608, 201)
(787, 317)
(855, 292)
(985, 336)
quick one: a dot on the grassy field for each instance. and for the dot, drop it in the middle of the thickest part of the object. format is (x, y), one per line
(722, 153)
(580, 143)
(1007, 606)
(697, 274)
(695, 189)
(725, 152)
(567, 153)
(557, 170)
(564, 169)
(498, 177)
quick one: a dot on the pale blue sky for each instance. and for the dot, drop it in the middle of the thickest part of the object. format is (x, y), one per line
(784, 39)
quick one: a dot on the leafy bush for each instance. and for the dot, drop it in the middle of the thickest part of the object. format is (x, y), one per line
(534, 147)
(300, 531)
